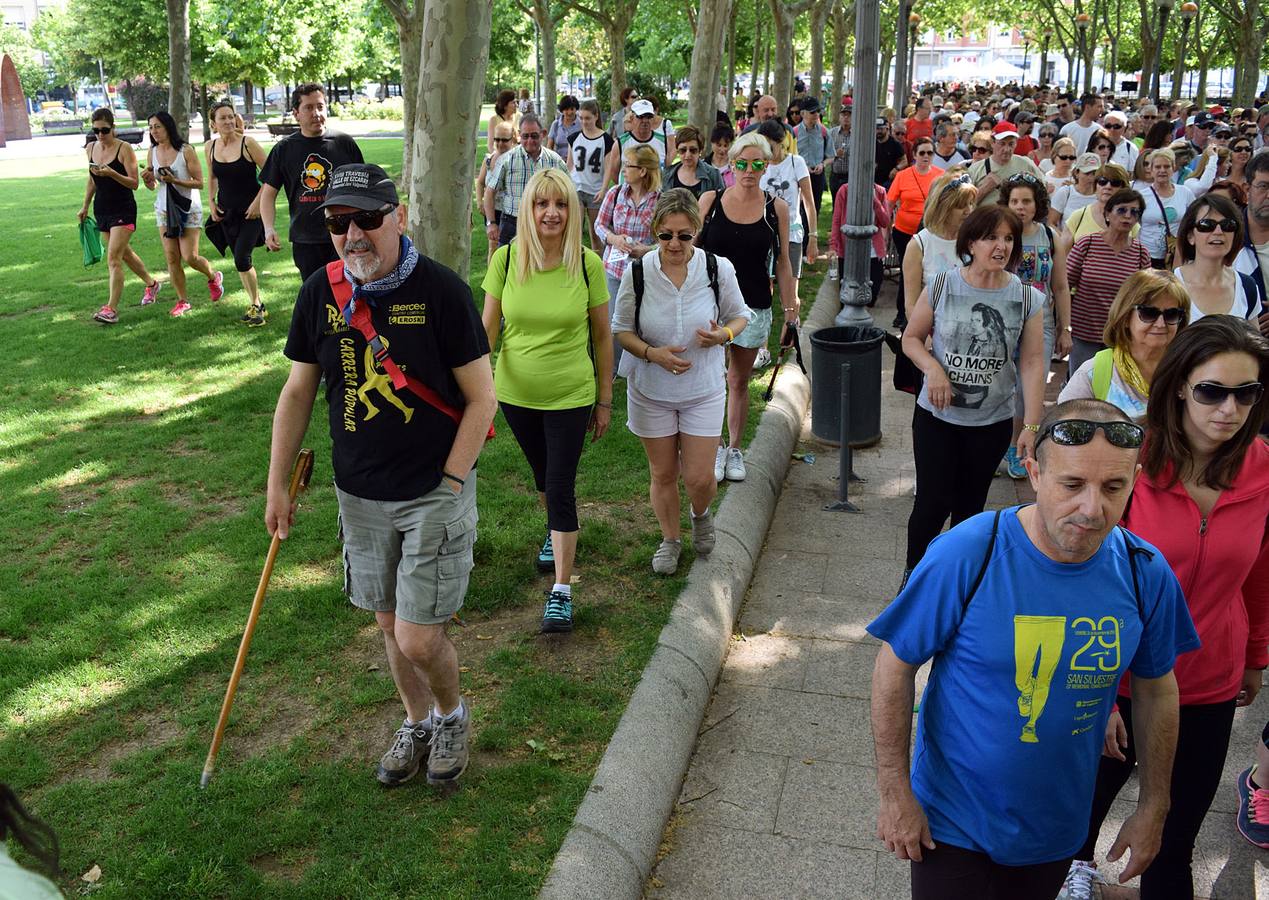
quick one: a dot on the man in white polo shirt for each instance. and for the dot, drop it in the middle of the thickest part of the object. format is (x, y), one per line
(1125, 151)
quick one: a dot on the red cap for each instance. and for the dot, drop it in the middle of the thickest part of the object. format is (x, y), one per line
(1005, 129)
(848, 101)
(1216, 110)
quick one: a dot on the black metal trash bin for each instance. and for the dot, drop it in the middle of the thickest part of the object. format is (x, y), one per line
(861, 347)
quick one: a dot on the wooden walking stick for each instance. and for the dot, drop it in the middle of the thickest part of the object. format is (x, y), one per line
(299, 481)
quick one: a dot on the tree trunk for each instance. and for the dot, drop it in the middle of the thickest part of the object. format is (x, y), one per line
(766, 67)
(819, 20)
(203, 104)
(757, 46)
(782, 89)
(249, 101)
(731, 59)
(453, 59)
(178, 64)
(883, 81)
(409, 19)
(1247, 49)
(839, 59)
(617, 53)
(1070, 72)
(707, 59)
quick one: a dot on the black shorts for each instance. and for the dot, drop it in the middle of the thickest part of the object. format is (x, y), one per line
(115, 220)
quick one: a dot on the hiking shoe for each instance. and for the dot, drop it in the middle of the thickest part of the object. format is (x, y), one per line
(720, 464)
(1079, 881)
(703, 533)
(216, 287)
(546, 556)
(106, 316)
(448, 758)
(180, 309)
(1253, 810)
(409, 748)
(666, 560)
(255, 316)
(734, 468)
(1013, 465)
(151, 293)
(763, 359)
(557, 616)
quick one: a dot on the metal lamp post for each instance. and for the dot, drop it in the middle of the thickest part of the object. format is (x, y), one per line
(1188, 11)
(1026, 48)
(1165, 8)
(914, 23)
(1082, 21)
(1044, 54)
(1106, 64)
(859, 228)
(901, 76)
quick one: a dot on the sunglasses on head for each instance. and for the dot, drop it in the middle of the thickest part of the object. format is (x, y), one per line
(1077, 432)
(1150, 314)
(1103, 181)
(685, 236)
(1210, 394)
(1207, 226)
(1131, 211)
(744, 165)
(105, 130)
(367, 220)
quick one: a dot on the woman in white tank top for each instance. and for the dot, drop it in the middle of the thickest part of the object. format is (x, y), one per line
(1209, 237)
(933, 248)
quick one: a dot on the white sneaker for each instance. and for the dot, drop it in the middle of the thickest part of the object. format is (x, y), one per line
(1079, 881)
(763, 359)
(734, 469)
(720, 464)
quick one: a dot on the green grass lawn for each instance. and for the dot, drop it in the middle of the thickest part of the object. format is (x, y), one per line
(132, 463)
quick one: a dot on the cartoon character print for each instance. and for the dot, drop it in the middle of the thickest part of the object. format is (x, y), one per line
(316, 174)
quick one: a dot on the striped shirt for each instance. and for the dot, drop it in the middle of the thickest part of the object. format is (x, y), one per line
(512, 172)
(619, 215)
(1096, 272)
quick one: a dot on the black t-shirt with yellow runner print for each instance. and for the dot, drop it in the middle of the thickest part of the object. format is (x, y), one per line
(388, 443)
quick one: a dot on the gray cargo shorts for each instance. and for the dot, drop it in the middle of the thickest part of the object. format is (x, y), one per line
(409, 557)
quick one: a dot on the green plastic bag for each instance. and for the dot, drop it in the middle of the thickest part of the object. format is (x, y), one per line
(90, 241)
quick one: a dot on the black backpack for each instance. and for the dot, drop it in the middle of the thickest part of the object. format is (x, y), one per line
(636, 279)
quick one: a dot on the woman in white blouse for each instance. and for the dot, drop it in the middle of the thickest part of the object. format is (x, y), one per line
(673, 331)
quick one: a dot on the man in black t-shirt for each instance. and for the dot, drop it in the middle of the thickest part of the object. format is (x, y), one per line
(406, 424)
(301, 164)
(890, 157)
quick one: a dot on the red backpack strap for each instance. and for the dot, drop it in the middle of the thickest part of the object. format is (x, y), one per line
(359, 318)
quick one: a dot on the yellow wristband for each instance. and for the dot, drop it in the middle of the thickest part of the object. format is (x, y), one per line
(1034, 428)
(730, 336)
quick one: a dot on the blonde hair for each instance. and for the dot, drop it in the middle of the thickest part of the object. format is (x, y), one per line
(1062, 144)
(646, 158)
(745, 141)
(674, 202)
(1141, 288)
(1161, 153)
(945, 198)
(548, 184)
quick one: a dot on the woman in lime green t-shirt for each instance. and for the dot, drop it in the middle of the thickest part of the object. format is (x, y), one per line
(549, 294)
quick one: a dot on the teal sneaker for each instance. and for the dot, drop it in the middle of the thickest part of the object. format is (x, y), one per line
(1013, 465)
(557, 616)
(546, 556)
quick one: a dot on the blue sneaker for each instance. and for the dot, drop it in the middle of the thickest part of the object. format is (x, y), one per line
(557, 617)
(1253, 811)
(546, 556)
(1013, 465)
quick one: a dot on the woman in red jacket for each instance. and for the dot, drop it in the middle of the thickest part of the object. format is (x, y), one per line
(837, 238)
(1202, 500)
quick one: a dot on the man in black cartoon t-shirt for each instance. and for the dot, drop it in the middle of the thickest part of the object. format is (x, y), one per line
(407, 422)
(301, 164)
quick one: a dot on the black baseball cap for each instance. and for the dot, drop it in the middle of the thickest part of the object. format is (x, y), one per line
(810, 105)
(361, 186)
(1204, 120)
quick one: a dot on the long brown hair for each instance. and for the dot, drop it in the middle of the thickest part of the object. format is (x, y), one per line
(1166, 441)
(30, 833)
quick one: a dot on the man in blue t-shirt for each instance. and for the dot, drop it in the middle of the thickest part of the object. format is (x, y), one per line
(1031, 615)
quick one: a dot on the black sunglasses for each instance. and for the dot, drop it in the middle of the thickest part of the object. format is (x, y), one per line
(685, 236)
(1114, 127)
(502, 140)
(1207, 226)
(1242, 148)
(978, 148)
(1133, 211)
(1067, 158)
(369, 220)
(1210, 394)
(1103, 181)
(1150, 314)
(1077, 432)
(105, 130)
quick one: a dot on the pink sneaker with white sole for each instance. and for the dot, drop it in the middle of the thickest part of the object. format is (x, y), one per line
(151, 293)
(215, 287)
(180, 309)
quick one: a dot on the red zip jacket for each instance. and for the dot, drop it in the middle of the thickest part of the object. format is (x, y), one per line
(1222, 563)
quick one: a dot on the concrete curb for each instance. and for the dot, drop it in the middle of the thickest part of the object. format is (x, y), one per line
(612, 845)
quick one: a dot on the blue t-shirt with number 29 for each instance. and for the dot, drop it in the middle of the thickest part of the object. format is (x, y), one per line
(1013, 718)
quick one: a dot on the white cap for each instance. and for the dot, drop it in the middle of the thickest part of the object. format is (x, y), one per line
(1189, 121)
(642, 108)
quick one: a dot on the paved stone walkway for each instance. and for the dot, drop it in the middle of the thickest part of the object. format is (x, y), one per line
(780, 799)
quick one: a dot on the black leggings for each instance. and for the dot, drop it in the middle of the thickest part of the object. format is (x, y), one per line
(901, 241)
(552, 441)
(1201, 744)
(244, 235)
(954, 468)
(953, 873)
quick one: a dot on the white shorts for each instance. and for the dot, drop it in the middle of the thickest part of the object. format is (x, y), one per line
(648, 418)
(193, 220)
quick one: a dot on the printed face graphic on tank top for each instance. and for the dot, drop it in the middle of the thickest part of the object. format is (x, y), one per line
(975, 351)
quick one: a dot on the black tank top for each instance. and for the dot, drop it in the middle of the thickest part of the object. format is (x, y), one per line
(237, 184)
(747, 247)
(111, 198)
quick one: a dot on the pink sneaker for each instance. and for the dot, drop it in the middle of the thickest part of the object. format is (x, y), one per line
(106, 316)
(215, 287)
(180, 309)
(151, 293)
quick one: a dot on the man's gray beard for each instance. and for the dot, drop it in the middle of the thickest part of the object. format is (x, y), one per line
(363, 268)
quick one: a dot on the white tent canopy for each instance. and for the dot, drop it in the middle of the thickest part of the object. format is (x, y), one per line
(994, 70)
